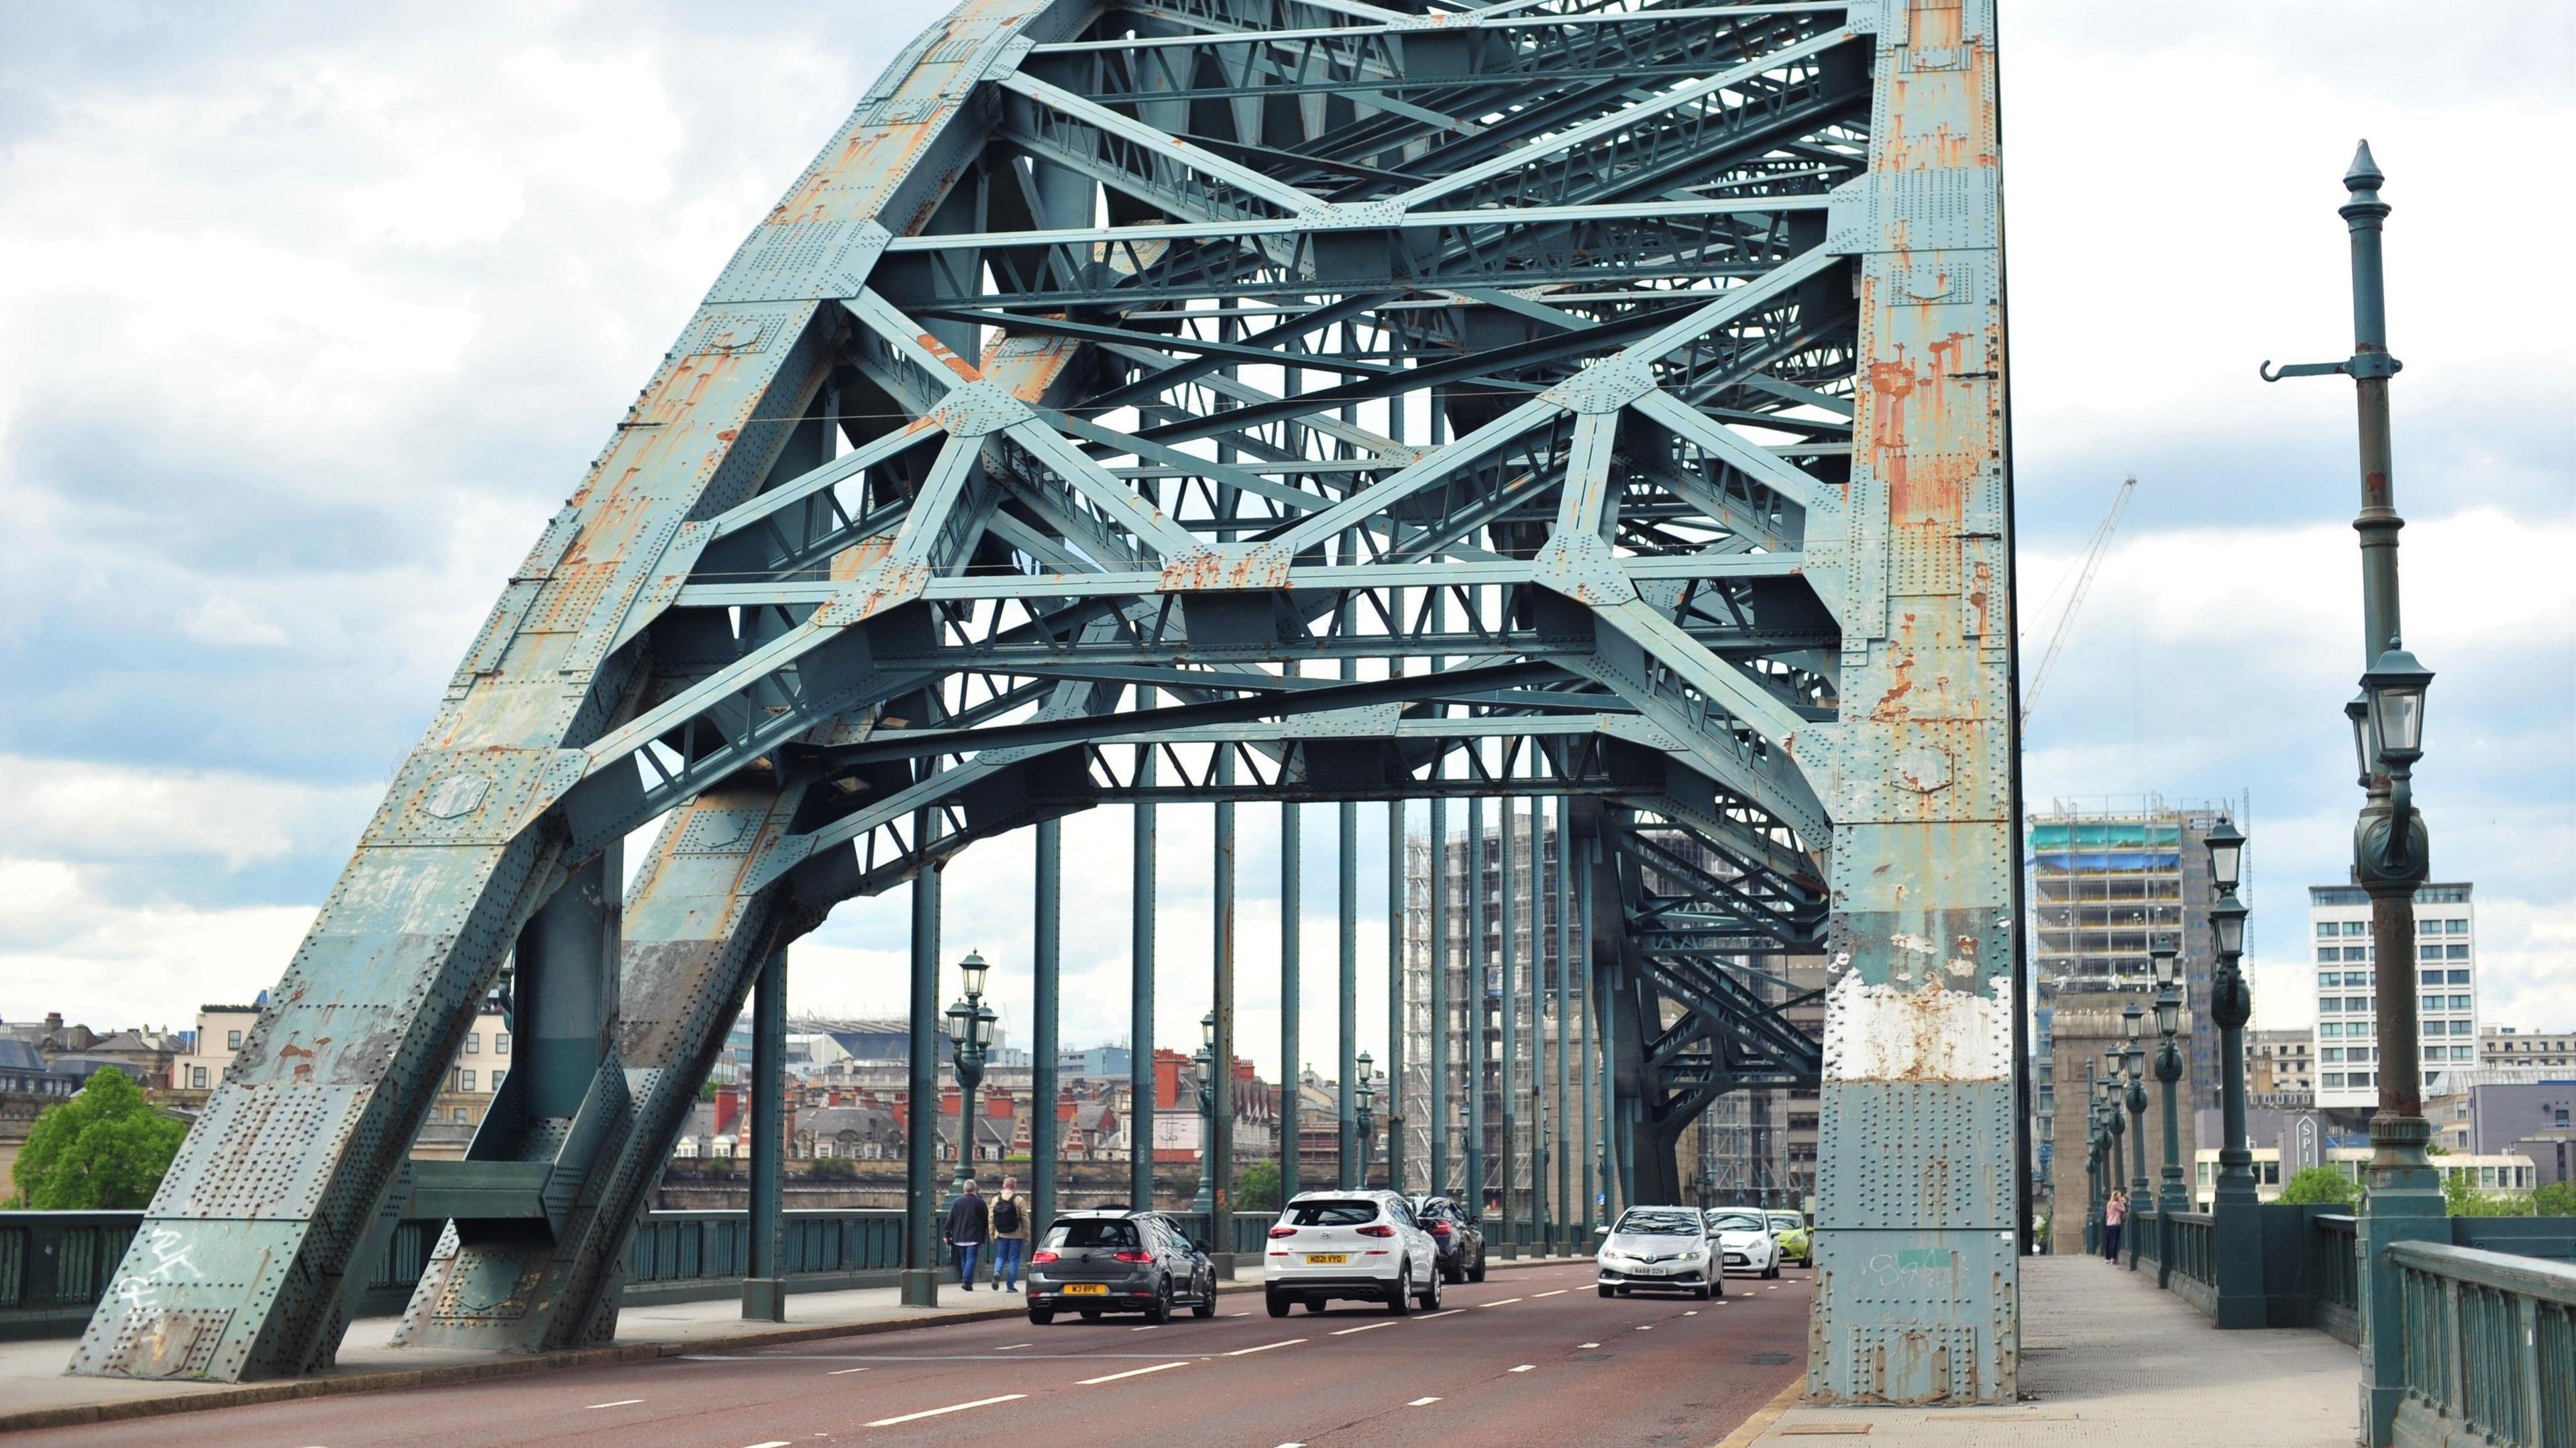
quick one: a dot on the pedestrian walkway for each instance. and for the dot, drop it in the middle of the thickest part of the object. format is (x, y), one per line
(2107, 1358)
(36, 1392)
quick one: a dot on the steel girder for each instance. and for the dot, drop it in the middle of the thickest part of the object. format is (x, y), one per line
(1616, 391)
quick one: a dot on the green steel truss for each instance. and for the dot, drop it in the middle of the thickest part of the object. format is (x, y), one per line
(1422, 399)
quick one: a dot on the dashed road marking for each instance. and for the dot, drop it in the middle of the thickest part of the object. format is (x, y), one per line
(1448, 1312)
(836, 1372)
(1148, 1327)
(1363, 1327)
(1645, 1327)
(1014, 1347)
(1691, 1312)
(772, 1443)
(1506, 1302)
(1525, 1367)
(1587, 1344)
(620, 1403)
(1422, 1402)
(1265, 1347)
(1130, 1373)
(1559, 1292)
(933, 1413)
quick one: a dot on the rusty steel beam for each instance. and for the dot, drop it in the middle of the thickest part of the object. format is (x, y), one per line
(1081, 366)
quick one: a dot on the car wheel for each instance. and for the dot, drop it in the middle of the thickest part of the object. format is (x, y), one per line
(1706, 1293)
(1159, 1310)
(1452, 1273)
(1314, 1304)
(1278, 1305)
(1477, 1274)
(1609, 1292)
(1091, 1314)
(1206, 1305)
(1041, 1316)
(1431, 1294)
(1623, 1291)
(1400, 1301)
(1772, 1270)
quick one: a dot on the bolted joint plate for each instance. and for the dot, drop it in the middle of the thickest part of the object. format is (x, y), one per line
(1605, 386)
(477, 797)
(980, 409)
(1581, 567)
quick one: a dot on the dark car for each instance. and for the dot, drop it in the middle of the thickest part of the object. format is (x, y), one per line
(1460, 1239)
(1118, 1261)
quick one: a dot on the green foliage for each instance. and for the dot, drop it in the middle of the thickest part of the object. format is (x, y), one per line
(2461, 1198)
(2557, 1199)
(1256, 1187)
(706, 1092)
(2321, 1185)
(103, 1150)
(832, 1166)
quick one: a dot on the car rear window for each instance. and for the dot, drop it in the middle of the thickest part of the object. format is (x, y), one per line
(1736, 1222)
(1092, 1232)
(1660, 1223)
(1786, 1221)
(1331, 1214)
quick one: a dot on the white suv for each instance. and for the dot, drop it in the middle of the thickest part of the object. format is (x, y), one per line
(1357, 1246)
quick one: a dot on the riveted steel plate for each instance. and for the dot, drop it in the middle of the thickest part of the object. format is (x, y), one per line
(794, 260)
(263, 1152)
(1914, 1154)
(1929, 210)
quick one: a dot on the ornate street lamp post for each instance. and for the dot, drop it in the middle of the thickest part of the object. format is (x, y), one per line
(2092, 1160)
(1363, 1110)
(1205, 1060)
(2169, 1197)
(2235, 1205)
(970, 1030)
(2389, 844)
(2134, 1066)
(2115, 1121)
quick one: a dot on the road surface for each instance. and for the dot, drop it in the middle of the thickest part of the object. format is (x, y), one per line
(1529, 1356)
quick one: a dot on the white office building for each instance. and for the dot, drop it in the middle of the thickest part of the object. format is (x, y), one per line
(2445, 974)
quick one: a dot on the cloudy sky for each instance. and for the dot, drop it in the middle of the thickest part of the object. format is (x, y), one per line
(316, 312)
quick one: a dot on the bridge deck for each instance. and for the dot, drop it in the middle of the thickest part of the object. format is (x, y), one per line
(2107, 1358)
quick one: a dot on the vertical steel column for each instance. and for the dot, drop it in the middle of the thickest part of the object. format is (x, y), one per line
(1544, 1205)
(1346, 1157)
(1046, 957)
(1474, 873)
(764, 1297)
(1395, 912)
(1140, 1002)
(1587, 1006)
(1221, 1127)
(921, 1117)
(1439, 990)
(1505, 879)
(1565, 1024)
(1292, 846)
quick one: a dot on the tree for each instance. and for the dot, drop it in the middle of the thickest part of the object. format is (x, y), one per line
(2321, 1185)
(2557, 1199)
(1256, 1187)
(103, 1150)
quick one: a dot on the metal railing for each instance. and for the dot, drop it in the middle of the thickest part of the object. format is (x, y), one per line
(2489, 1346)
(54, 1266)
(2330, 1273)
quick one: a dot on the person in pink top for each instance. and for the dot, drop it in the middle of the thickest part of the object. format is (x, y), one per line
(2114, 1213)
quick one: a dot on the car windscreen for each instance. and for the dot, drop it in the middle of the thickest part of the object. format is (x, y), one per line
(1735, 1222)
(1331, 1214)
(1785, 1222)
(1660, 1224)
(1112, 1232)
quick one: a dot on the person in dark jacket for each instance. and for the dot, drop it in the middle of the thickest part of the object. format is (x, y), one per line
(968, 1225)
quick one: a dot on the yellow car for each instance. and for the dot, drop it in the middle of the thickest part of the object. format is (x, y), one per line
(1797, 1241)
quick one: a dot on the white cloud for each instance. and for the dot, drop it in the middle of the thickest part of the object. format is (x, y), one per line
(65, 946)
(230, 623)
(178, 819)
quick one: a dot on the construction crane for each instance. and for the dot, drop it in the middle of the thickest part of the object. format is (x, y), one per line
(2075, 601)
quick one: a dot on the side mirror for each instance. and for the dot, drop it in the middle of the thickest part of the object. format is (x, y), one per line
(1198, 1246)
(1601, 1231)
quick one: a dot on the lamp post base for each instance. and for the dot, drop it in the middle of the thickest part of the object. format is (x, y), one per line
(764, 1299)
(1223, 1262)
(921, 1287)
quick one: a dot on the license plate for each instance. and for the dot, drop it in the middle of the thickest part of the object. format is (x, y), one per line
(1086, 1289)
(1327, 1259)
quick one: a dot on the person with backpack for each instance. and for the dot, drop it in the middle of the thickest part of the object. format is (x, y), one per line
(1010, 1234)
(968, 1224)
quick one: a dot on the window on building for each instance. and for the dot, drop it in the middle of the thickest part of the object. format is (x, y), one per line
(2329, 979)
(2326, 930)
(2355, 927)
(232, 1040)
(500, 1043)
(2429, 1003)
(2562, 1116)
(197, 1077)
(2462, 1028)
(2333, 1004)
(474, 1044)
(2434, 977)
(2355, 1004)
(2334, 1078)
(2462, 1003)
(460, 1116)
(2459, 977)
(2429, 951)
(2455, 926)
(2455, 952)
(2271, 1173)
(465, 1081)
(2330, 1029)
(2435, 1053)
(496, 1079)
(2333, 1053)
(2464, 1053)
(2328, 953)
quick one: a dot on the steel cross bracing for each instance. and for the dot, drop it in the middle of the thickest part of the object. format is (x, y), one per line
(1424, 399)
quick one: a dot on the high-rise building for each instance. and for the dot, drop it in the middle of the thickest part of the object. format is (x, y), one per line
(2445, 978)
(2280, 1064)
(2507, 1048)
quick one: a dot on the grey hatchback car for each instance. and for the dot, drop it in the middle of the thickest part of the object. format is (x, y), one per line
(1115, 1260)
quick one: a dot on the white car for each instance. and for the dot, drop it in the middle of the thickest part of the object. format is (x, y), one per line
(1360, 1246)
(1660, 1249)
(1744, 1240)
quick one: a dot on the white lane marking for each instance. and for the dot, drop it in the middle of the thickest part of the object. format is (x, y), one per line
(1506, 1302)
(1130, 1373)
(620, 1403)
(1015, 1347)
(1645, 1327)
(1587, 1344)
(1450, 1312)
(1265, 1347)
(1247, 1312)
(1148, 1327)
(772, 1443)
(1560, 1292)
(1422, 1402)
(1693, 1312)
(1773, 1288)
(1363, 1327)
(936, 1412)
(837, 1372)
(1525, 1367)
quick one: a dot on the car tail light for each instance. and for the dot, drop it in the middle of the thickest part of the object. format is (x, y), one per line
(1135, 1256)
(1041, 1255)
(1440, 1229)
(1377, 1230)
(1283, 1231)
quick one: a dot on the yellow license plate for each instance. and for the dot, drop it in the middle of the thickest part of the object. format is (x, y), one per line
(1086, 1289)
(1327, 1259)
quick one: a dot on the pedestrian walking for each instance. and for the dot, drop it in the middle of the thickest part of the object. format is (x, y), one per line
(1010, 1234)
(2114, 1212)
(969, 1223)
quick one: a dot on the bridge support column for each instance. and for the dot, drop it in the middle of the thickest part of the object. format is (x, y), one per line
(921, 1117)
(764, 1296)
(1046, 964)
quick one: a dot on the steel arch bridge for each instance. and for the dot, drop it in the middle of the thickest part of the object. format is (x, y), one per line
(1237, 399)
